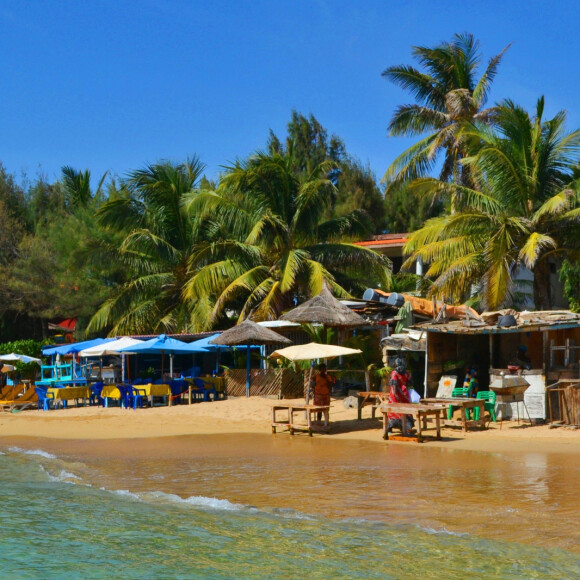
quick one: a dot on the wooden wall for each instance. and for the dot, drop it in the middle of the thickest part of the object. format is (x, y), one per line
(283, 383)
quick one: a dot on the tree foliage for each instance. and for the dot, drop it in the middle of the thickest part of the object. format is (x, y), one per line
(270, 242)
(448, 95)
(525, 208)
(354, 186)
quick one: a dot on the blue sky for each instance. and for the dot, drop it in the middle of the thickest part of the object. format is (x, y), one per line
(113, 85)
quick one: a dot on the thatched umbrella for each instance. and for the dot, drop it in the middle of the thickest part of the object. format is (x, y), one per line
(249, 333)
(323, 309)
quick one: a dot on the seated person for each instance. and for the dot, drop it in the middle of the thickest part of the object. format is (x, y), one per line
(522, 360)
(470, 382)
(398, 393)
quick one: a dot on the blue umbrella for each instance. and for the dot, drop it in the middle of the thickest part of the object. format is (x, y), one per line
(164, 344)
(206, 343)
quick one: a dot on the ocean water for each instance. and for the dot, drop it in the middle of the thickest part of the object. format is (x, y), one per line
(253, 508)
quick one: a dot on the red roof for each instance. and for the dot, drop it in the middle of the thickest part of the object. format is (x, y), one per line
(384, 240)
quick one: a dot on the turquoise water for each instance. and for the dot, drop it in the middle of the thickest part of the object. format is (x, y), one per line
(57, 523)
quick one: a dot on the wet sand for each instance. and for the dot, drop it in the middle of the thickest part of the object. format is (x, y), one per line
(253, 416)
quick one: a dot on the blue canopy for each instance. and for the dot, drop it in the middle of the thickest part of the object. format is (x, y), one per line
(163, 344)
(74, 347)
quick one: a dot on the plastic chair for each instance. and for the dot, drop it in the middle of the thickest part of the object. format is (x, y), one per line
(136, 397)
(206, 389)
(96, 390)
(458, 393)
(45, 399)
(124, 395)
(489, 406)
(178, 388)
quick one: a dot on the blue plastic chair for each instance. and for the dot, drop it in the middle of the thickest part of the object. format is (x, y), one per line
(206, 389)
(45, 399)
(96, 390)
(136, 397)
(124, 395)
(178, 388)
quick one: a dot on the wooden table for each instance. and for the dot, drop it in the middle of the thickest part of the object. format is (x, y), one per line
(418, 411)
(464, 404)
(374, 398)
(291, 409)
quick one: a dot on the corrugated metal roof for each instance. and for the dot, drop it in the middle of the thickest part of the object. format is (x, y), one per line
(526, 322)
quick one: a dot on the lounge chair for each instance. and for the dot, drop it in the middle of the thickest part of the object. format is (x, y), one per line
(26, 400)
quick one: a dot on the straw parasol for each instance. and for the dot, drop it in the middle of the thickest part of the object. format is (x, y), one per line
(324, 309)
(248, 333)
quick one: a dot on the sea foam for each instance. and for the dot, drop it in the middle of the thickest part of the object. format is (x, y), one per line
(38, 452)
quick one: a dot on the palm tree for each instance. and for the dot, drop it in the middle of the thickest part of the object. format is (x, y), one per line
(77, 187)
(157, 241)
(448, 95)
(269, 244)
(525, 210)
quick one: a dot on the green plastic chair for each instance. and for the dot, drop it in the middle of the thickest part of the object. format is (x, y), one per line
(489, 398)
(458, 392)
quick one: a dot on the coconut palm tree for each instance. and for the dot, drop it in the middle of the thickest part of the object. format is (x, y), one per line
(269, 244)
(157, 241)
(525, 210)
(448, 95)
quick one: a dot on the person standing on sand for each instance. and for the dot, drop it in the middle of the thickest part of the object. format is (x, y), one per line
(398, 393)
(323, 384)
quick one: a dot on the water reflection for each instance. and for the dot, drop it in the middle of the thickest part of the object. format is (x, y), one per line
(530, 497)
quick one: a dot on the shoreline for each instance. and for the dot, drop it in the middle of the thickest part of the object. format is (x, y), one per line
(253, 416)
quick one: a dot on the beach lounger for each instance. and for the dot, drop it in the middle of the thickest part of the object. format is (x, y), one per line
(26, 400)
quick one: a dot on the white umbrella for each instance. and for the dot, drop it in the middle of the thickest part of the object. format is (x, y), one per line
(20, 357)
(311, 351)
(113, 348)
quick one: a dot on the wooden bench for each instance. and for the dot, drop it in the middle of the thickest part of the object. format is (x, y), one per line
(464, 404)
(419, 412)
(374, 398)
(292, 409)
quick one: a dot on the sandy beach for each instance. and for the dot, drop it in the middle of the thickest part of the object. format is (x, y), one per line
(253, 416)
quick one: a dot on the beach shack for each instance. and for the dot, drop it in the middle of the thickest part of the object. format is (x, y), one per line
(550, 339)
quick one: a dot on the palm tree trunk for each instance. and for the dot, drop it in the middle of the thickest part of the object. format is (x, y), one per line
(542, 298)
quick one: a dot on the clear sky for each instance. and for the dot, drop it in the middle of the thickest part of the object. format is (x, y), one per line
(112, 84)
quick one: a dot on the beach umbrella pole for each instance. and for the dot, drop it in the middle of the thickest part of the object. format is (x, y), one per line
(248, 370)
(309, 382)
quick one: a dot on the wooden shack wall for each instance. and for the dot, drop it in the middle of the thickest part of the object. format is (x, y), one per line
(559, 370)
(506, 347)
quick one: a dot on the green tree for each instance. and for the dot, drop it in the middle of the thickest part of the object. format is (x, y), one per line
(406, 210)
(270, 243)
(526, 208)
(352, 186)
(448, 96)
(156, 243)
